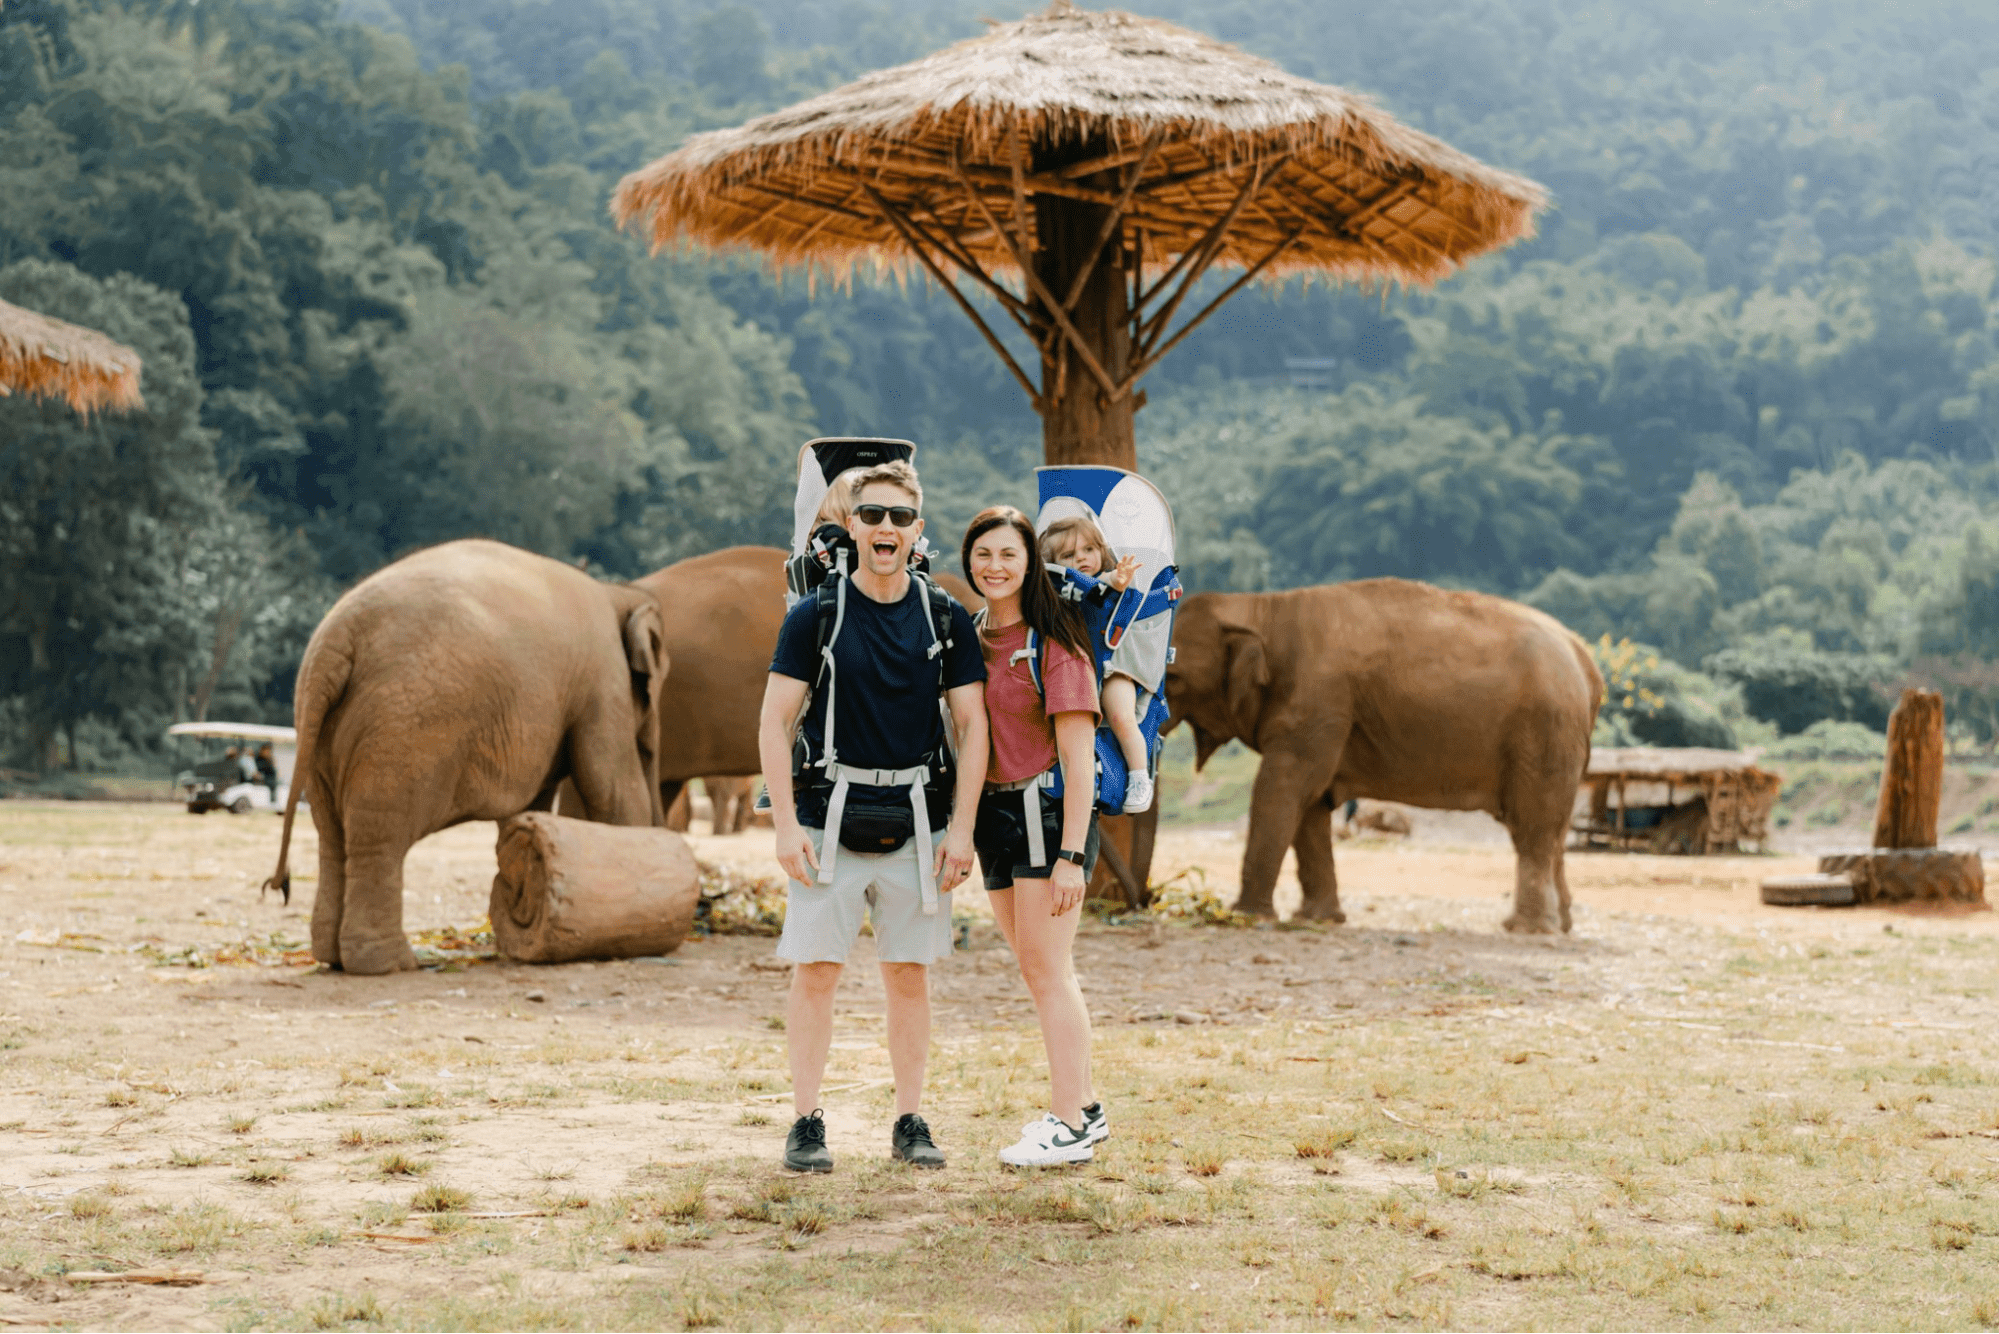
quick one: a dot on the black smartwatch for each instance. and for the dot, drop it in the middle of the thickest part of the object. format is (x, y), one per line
(1071, 855)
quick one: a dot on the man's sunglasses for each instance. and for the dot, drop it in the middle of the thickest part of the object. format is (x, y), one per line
(900, 515)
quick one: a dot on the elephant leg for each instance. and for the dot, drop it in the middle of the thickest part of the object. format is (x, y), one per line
(329, 897)
(371, 924)
(1285, 784)
(1540, 890)
(671, 790)
(1316, 876)
(1562, 881)
(680, 811)
(608, 773)
(740, 797)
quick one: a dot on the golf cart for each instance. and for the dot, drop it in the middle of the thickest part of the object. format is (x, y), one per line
(222, 782)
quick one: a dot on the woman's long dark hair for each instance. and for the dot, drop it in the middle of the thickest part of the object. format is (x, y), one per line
(1040, 606)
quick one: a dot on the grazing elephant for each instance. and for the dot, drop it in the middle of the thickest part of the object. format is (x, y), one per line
(721, 613)
(464, 682)
(1398, 691)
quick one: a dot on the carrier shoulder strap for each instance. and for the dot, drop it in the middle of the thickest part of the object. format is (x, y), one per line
(937, 606)
(830, 601)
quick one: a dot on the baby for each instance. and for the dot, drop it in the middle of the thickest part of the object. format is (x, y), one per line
(1080, 545)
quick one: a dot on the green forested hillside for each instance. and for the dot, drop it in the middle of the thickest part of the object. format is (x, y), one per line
(1738, 402)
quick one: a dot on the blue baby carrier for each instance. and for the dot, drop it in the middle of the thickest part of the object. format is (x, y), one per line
(1136, 521)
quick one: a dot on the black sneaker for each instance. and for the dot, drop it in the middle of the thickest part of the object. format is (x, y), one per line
(805, 1146)
(910, 1142)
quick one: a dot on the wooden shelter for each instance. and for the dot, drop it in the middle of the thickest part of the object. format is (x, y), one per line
(48, 358)
(1085, 171)
(1674, 800)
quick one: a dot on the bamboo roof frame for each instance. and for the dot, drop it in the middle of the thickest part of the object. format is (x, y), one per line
(1203, 156)
(46, 358)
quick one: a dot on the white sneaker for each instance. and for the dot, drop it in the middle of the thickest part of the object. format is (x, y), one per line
(1096, 1123)
(1048, 1143)
(1137, 792)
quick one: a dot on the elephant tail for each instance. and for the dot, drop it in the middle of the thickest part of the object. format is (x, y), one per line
(322, 682)
(1597, 691)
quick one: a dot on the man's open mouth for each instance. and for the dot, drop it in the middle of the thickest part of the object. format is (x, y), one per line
(886, 548)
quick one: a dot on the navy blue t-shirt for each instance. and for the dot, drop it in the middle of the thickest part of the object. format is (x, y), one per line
(887, 697)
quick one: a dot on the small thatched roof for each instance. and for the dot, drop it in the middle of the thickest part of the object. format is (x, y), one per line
(49, 358)
(1664, 762)
(1064, 103)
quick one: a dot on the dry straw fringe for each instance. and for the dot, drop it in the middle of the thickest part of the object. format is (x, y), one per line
(43, 357)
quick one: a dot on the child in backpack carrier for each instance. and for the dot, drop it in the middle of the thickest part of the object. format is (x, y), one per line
(1080, 545)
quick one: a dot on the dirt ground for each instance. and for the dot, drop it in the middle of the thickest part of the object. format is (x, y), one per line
(1695, 1111)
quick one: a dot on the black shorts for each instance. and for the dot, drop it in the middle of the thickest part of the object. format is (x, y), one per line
(999, 834)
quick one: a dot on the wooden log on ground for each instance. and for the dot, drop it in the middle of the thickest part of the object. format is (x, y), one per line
(1912, 773)
(1910, 875)
(571, 889)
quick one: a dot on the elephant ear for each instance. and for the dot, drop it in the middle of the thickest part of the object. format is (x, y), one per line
(645, 653)
(1248, 677)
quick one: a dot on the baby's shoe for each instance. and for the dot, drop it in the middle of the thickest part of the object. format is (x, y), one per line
(1137, 792)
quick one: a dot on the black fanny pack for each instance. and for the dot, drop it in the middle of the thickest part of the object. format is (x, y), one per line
(868, 827)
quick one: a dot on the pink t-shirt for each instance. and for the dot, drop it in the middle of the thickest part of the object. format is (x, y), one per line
(1023, 738)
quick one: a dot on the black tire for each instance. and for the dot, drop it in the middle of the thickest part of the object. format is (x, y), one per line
(1809, 891)
(197, 808)
(240, 806)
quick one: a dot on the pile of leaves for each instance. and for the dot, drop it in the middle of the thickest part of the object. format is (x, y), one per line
(1187, 898)
(446, 945)
(276, 950)
(735, 904)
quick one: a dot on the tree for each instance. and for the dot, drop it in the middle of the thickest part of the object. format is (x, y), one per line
(91, 620)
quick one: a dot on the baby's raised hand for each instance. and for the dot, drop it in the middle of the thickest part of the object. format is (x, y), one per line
(1126, 571)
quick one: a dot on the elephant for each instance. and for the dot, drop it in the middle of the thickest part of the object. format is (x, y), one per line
(464, 682)
(1399, 691)
(728, 803)
(722, 613)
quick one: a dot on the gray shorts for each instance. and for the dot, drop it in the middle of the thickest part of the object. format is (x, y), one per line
(822, 921)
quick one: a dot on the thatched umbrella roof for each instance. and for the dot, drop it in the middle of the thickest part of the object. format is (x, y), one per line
(1345, 188)
(49, 358)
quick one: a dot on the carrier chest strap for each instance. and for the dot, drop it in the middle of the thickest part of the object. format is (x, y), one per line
(845, 777)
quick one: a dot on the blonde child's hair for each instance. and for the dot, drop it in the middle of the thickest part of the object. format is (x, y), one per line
(838, 506)
(1076, 531)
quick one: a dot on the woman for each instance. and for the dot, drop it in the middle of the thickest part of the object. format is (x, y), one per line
(1038, 899)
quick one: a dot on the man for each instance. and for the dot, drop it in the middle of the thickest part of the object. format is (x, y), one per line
(873, 744)
(267, 770)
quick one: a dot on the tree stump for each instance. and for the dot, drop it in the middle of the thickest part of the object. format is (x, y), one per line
(1910, 875)
(1905, 865)
(571, 889)
(1912, 773)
